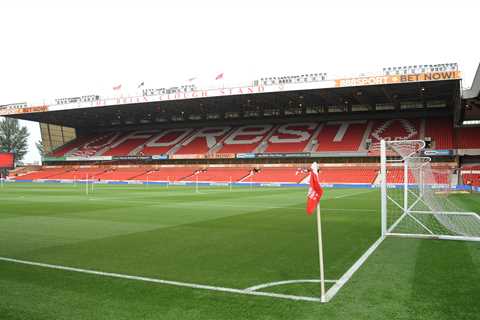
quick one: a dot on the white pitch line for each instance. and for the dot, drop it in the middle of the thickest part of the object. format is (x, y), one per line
(160, 281)
(279, 283)
(351, 194)
(175, 204)
(346, 277)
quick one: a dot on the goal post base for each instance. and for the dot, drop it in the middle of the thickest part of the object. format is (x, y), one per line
(432, 237)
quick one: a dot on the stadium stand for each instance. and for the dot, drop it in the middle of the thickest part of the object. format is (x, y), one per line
(341, 136)
(66, 148)
(326, 137)
(44, 173)
(22, 170)
(168, 174)
(221, 174)
(350, 175)
(292, 137)
(396, 129)
(165, 141)
(471, 174)
(471, 167)
(128, 144)
(441, 133)
(396, 175)
(344, 136)
(471, 178)
(293, 175)
(203, 140)
(468, 138)
(79, 174)
(246, 139)
(122, 173)
(95, 145)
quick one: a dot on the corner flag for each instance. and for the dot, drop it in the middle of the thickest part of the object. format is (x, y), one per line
(315, 191)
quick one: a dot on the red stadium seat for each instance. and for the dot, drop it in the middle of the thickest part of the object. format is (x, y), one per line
(214, 174)
(468, 138)
(365, 175)
(292, 137)
(245, 139)
(396, 129)
(288, 175)
(341, 136)
(441, 132)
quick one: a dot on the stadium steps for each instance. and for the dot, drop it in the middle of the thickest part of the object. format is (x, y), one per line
(41, 174)
(264, 143)
(222, 174)
(277, 175)
(219, 143)
(194, 173)
(146, 172)
(245, 177)
(174, 149)
(250, 174)
(366, 134)
(61, 150)
(313, 142)
(378, 179)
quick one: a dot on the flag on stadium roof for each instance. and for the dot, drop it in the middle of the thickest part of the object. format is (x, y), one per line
(219, 76)
(315, 190)
(117, 87)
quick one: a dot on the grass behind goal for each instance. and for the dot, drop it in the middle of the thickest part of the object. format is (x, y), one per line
(214, 237)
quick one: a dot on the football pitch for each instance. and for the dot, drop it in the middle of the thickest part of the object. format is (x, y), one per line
(152, 252)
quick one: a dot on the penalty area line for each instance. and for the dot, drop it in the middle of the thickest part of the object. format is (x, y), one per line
(160, 281)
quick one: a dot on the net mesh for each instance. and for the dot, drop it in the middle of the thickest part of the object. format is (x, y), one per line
(419, 196)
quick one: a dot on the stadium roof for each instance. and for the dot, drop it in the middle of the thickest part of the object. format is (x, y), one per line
(471, 103)
(299, 103)
(413, 89)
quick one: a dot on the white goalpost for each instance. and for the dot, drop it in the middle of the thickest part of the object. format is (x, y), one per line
(415, 198)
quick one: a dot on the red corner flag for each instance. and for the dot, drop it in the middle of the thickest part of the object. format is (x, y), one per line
(315, 191)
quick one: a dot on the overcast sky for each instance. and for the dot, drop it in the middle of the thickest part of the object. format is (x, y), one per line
(49, 49)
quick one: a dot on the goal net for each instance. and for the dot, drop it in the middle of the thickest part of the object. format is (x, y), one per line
(415, 196)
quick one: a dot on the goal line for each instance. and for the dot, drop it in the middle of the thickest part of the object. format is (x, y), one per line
(248, 291)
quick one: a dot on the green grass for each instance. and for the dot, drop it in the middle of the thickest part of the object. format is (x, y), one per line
(231, 239)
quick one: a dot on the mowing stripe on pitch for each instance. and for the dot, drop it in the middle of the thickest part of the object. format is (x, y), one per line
(173, 204)
(160, 281)
(344, 279)
(350, 194)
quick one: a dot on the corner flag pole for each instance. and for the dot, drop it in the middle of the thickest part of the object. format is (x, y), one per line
(320, 254)
(314, 195)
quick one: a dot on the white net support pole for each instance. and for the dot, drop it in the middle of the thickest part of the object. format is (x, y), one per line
(383, 186)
